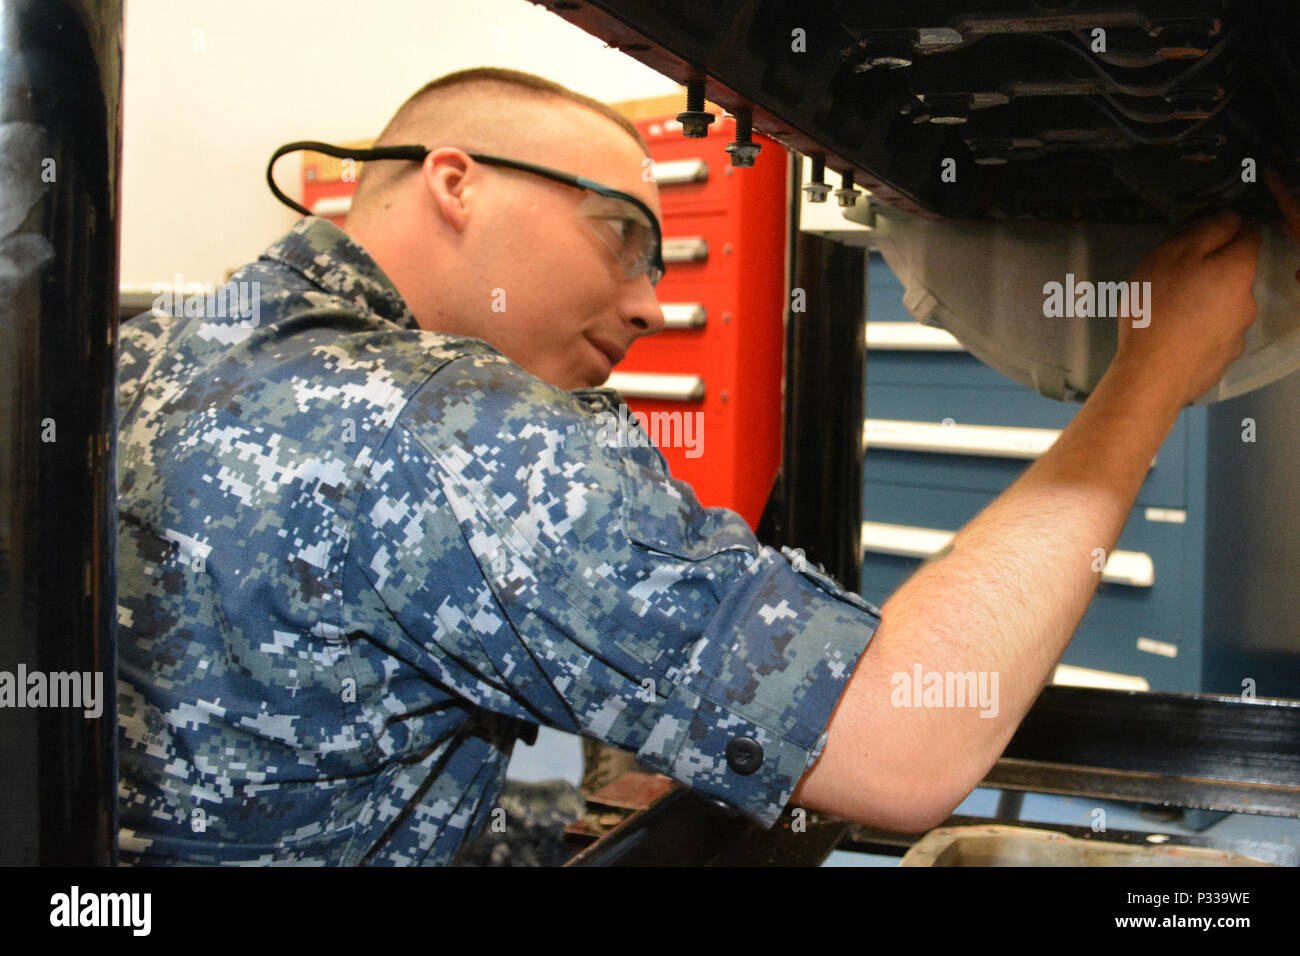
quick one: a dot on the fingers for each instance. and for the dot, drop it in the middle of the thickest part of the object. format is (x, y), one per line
(1211, 234)
(1245, 246)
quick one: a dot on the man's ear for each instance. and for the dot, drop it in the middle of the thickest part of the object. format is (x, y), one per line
(445, 174)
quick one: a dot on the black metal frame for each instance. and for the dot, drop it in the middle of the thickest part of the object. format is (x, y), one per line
(61, 81)
(871, 123)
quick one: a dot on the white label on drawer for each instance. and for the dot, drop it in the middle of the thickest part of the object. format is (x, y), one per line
(1171, 515)
(1152, 646)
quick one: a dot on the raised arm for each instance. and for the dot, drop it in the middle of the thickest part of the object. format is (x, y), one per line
(1009, 593)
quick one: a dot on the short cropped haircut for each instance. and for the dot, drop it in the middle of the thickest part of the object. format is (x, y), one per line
(445, 109)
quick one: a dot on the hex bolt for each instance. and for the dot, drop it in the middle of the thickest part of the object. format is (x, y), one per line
(846, 194)
(695, 121)
(948, 109)
(743, 149)
(817, 189)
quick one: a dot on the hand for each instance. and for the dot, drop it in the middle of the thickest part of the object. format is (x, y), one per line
(1288, 204)
(1200, 306)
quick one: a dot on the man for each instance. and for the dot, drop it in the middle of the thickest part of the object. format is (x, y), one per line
(367, 540)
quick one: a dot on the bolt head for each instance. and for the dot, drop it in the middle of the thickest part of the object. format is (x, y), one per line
(817, 192)
(743, 154)
(695, 125)
(847, 197)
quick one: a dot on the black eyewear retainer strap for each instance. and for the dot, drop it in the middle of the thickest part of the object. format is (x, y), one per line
(417, 154)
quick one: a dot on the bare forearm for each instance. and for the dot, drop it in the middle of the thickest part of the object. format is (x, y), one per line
(1004, 601)
(1011, 592)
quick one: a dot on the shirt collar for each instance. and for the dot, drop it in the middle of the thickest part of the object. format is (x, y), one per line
(331, 259)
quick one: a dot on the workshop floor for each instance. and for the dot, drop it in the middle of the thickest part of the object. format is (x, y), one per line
(558, 755)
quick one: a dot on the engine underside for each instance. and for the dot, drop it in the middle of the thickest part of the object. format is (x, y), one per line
(1134, 111)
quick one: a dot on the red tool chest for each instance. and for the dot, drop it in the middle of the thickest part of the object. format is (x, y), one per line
(724, 298)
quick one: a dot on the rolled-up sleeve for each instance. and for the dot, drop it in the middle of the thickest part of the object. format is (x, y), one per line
(555, 570)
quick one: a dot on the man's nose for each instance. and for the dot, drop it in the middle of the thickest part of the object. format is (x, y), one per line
(643, 309)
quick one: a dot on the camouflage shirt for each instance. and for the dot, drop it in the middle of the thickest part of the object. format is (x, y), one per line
(353, 555)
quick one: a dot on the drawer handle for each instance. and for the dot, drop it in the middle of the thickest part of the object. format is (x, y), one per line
(910, 337)
(681, 388)
(1134, 568)
(1068, 675)
(683, 315)
(992, 441)
(331, 206)
(686, 249)
(675, 172)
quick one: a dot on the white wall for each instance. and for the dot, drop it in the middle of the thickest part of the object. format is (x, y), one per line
(212, 88)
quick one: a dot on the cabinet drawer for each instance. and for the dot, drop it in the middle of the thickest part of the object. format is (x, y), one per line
(1120, 650)
(917, 367)
(936, 399)
(983, 458)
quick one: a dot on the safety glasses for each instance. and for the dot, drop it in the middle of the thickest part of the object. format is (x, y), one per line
(622, 221)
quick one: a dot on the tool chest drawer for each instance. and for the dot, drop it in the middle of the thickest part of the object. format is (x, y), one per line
(1165, 660)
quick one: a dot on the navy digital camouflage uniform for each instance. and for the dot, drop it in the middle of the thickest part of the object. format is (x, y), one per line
(354, 555)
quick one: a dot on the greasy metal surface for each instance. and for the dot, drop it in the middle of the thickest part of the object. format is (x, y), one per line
(1041, 121)
(60, 123)
(679, 829)
(682, 828)
(632, 791)
(861, 839)
(998, 845)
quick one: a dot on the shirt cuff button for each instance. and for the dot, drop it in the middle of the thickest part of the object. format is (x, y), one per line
(744, 755)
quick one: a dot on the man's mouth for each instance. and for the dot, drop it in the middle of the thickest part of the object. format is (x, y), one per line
(610, 351)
